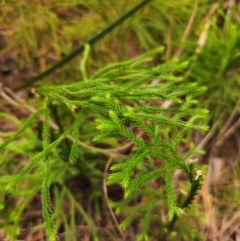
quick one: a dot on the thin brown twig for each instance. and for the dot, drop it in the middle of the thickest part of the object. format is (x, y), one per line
(187, 31)
(106, 195)
(229, 224)
(230, 5)
(7, 98)
(228, 133)
(203, 35)
(229, 121)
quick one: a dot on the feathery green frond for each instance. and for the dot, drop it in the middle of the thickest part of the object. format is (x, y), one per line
(143, 180)
(75, 134)
(127, 106)
(172, 203)
(41, 156)
(46, 201)
(144, 235)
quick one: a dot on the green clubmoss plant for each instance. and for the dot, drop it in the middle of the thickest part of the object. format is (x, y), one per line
(128, 106)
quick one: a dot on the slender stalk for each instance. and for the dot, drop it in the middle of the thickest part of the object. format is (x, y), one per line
(80, 49)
